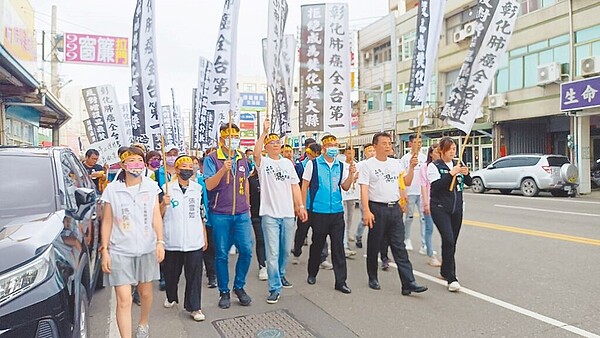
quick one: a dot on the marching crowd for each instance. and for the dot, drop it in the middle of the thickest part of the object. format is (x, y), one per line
(191, 213)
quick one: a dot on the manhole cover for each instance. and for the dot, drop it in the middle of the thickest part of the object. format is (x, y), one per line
(274, 324)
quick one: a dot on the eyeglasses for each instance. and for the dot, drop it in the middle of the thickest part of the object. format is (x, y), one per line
(274, 142)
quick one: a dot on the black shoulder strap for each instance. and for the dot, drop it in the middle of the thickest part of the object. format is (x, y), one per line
(314, 184)
(341, 173)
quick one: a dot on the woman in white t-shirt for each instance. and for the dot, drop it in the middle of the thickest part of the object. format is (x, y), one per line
(132, 239)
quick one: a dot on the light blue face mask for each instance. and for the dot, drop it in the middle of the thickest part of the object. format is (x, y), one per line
(332, 152)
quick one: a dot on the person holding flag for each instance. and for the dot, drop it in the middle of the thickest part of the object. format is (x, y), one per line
(185, 237)
(413, 191)
(226, 172)
(280, 200)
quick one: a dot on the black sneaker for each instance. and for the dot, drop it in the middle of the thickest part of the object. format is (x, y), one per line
(285, 283)
(359, 242)
(212, 282)
(273, 297)
(243, 297)
(385, 264)
(225, 301)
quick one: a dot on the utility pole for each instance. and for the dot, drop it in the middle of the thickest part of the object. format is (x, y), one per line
(53, 55)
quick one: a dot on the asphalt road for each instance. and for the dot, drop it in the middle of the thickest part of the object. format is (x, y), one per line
(528, 267)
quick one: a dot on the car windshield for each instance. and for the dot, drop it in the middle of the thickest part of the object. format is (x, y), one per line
(557, 161)
(27, 186)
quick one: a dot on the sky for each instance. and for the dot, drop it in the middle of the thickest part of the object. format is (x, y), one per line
(185, 29)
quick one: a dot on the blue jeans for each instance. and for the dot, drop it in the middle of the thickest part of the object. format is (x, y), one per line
(414, 201)
(278, 234)
(428, 234)
(229, 230)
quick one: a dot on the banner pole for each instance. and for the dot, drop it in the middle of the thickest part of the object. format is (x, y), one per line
(227, 180)
(462, 151)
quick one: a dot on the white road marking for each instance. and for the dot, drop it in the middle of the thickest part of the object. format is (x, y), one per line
(508, 306)
(546, 210)
(113, 331)
(548, 199)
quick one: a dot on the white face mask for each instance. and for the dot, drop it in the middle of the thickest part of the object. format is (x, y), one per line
(235, 143)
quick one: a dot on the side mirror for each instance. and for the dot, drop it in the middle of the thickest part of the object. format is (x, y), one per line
(491, 166)
(85, 196)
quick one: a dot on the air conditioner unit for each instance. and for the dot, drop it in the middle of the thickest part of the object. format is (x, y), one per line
(590, 66)
(413, 123)
(497, 100)
(459, 36)
(549, 73)
(469, 28)
(367, 56)
(427, 121)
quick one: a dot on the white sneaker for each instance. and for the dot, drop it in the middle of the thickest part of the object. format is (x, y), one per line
(198, 315)
(454, 286)
(295, 260)
(349, 253)
(168, 304)
(434, 261)
(408, 244)
(423, 250)
(233, 250)
(142, 331)
(326, 265)
(262, 274)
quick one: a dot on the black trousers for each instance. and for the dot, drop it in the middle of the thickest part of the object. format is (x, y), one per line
(331, 225)
(208, 256)
(191, 262)
(389, 225)
(449, 225)
(260, 242)
(300, 236)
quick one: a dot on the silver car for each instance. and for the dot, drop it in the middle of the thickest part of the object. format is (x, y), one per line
(528, 173)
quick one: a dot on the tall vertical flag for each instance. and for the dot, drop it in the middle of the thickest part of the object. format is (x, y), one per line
(495, 24)
(288, 60)
(223, 96)
(430, 18)
(145, 98)
(203, 113)
(325, 69)
(178, 132)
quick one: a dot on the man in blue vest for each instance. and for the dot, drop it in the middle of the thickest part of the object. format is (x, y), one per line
(226, 174)
(323, 179)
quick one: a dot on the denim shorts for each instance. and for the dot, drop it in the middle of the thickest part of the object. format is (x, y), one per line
(131, 270)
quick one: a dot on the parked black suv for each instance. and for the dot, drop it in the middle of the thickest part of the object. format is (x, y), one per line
(49, 233)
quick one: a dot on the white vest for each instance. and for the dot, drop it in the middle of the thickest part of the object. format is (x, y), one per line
(183, 228)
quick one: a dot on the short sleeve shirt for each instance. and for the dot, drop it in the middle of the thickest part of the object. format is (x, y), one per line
(382, 179)
(276, 179)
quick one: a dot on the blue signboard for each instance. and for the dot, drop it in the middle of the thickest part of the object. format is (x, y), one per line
(580, 94)
(254, 100)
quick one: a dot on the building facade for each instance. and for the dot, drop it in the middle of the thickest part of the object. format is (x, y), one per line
(551, 41)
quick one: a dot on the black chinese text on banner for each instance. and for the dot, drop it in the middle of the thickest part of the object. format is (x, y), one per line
(325, 69)
(495, 24)
(145, 98)
(92, 104)
(430, 18)
(203, 114)
(223, 95)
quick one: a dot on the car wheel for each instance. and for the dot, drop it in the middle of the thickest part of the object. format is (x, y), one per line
(477, 185)
(80, 329)
(529, 188)
(505, 191)
(559, 193)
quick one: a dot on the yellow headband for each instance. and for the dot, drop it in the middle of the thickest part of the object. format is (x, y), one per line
(287, 146)
(272, 137)
(230, 132)
(367, 148)
(182, 160)
(126, 154)
(329, 138)
(311, 152)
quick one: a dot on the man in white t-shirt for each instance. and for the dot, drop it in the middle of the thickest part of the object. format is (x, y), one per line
(380, 195)
(368, 152)
(350, 198)
(414, 194)
(280, 200)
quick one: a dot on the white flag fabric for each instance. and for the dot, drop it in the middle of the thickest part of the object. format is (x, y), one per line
(288, 60)
(145, 97)
(429, 27)
(92, 105)
(90, 132)
(278, 10)
(204, 114)
(167, 126)
(125, 111)
(325, 69)
(495, 24)
(223, 96)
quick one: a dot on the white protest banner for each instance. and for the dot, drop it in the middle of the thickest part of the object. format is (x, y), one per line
(110, 110)
(90, 132)
(495, 24)
(108, 150)
(167, 126)
(325, 69)
(288, 60)
(278, 10)
(223, 96)
(145, 97)
(204, 114)
(125, 112)
(429, 27)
